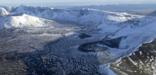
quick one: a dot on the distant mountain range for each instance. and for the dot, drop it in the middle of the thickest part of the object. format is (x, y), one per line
(122, 7)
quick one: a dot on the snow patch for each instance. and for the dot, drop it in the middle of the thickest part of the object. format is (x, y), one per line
(3, 12)
(24, 20)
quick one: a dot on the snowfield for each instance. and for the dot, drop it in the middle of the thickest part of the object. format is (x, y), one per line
(89, 37)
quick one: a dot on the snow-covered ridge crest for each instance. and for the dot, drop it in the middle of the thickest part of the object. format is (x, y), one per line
(33, 17)
(23, 20)
(82, 16)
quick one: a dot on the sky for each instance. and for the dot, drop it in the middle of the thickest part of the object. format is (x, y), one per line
(74, 2)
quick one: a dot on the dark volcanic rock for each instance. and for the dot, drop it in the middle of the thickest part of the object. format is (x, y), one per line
(113, 43)
(100, 45)
(46, 62)
(84, 35)
(142, 62)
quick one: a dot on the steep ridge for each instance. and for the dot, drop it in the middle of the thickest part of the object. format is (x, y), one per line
(141, 62)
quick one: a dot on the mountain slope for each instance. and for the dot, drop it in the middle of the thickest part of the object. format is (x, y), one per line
(68, 41)
(23, 20)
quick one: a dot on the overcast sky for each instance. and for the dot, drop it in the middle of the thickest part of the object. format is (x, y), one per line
(75, 2)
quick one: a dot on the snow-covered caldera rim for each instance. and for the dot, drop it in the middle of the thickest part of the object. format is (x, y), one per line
(76, 14)
(82, 16)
